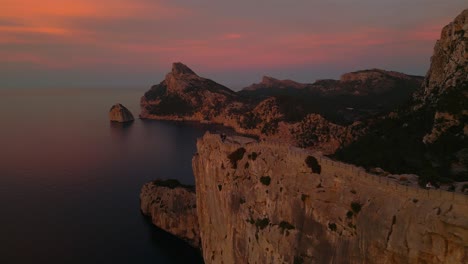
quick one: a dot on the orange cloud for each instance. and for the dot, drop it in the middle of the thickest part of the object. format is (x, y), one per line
(40, 30)
(30, 9)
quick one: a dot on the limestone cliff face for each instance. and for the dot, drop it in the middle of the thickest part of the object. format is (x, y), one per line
(119, 113)
(261, 203)
(185, 95)
(173, 209)
(449, 63)
(445, 87)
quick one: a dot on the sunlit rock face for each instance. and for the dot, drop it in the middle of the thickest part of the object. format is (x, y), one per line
(119, 113)
(260, 202)
(173, 209)
(449, 63)
(185, 95)
(445, 93)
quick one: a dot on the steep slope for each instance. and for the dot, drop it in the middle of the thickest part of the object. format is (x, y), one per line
(270, 203)
(356, 96)
(185, 94)
(430, 136)
(172, 207)
(324, 117)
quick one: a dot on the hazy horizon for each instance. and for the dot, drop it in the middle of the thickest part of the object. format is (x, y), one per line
(118, 43)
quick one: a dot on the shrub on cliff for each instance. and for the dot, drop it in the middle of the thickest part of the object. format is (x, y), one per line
(250, 121)
(172, 105)
(265, 180)
(172, 184)
(262, 223)
(235, 156)
(313, 164)
(270, 128)
(356, 207)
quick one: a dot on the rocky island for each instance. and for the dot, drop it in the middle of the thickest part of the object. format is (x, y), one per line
(267, 201)
(119, 113)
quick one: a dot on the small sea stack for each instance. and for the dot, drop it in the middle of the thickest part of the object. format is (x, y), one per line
(119, 113)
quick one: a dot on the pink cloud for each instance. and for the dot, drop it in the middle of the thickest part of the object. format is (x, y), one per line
(232, 36)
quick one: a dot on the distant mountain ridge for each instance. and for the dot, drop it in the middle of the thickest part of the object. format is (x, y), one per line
(318, 115)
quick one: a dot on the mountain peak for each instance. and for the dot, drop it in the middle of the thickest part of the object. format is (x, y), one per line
(179, 68)
(268, 79)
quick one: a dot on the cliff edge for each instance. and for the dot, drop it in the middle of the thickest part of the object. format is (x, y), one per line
(272, 203)
(172, 207)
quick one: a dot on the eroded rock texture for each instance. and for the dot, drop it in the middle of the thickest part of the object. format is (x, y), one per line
(119, 113)
(173, 209)
(263, 203)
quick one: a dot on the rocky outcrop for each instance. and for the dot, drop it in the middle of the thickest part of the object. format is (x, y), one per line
(429, 137)
(298, 119)
(445, 88)
(271, 203)
(369, 82)
(272, 83)
(119, 113)
(449, 63)
(185, 95)
(172, 207)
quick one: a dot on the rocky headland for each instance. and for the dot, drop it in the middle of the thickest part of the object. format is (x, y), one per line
(172, 207)
(429, 136)
(284, 110)
(264, 202)
(119, 113)
(270, 202)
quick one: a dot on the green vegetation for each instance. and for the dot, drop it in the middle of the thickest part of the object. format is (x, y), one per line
(265, 180)
(313, 164)
(247, 165)
(172, 184)
(396, 144)
(250, 121)
(262, 223)
(349, 215)
(270, 128)
(356, 207)
(171, 105)
(220, 187)
(235, 156)
(332, 226)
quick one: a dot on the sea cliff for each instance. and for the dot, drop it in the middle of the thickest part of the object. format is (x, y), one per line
(262, 203)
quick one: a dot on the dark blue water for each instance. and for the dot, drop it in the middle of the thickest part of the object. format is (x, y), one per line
(70, 181)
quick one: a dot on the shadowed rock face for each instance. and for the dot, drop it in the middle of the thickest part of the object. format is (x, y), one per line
(429, 137)
(119, 113)
(173, 209)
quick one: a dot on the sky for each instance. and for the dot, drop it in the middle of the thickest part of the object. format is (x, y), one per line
(132, 43)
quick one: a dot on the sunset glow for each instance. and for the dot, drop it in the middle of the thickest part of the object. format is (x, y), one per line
(143, 37)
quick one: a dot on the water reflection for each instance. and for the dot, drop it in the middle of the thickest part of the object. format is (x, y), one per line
(120, 130)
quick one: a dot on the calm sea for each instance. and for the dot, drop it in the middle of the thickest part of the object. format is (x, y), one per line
(70, 181)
